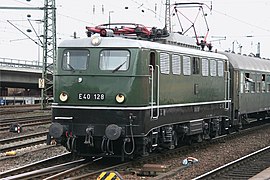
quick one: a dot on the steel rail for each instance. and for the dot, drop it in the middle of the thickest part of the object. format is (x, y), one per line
(234, 168)
(23, 145)
(44, 171)
(23, 137)
(19, 119)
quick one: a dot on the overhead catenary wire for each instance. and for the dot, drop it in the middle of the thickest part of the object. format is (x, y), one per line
(24, 33)
(242, 21)
(237, 19)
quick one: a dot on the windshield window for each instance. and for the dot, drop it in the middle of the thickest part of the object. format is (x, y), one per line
(115, 60)
(75, 60)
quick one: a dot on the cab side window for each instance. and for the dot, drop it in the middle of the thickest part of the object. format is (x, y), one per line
(195, 65)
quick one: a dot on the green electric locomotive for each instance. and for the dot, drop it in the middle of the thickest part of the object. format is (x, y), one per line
(123, 97)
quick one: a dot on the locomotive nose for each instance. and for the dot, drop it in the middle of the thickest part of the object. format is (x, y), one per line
(113, 132)
(56, 130)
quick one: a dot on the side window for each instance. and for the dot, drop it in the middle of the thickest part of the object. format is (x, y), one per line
(268, 82)
(242, 82)
(220, 68)
(252, 87)
(213, 67)
(195, 65)
(258, 86)
(259, 83)
(176, 64)
(263, 83)
(186, 65)
(247, 82)
(205, 67)
(75, 60)
(164, 63)
(252, 83)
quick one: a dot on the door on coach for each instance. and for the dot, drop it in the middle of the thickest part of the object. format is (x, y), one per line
(154, 86)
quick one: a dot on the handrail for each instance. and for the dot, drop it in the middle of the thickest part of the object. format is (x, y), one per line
(152, 91)
(156, 117)
(227, 87)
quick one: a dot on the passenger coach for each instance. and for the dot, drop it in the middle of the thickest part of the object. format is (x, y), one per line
(250, 88)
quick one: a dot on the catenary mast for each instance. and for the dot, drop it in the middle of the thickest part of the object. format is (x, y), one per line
(49, 51)
(168, 17)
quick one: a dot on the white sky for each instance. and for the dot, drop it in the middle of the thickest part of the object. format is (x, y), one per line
(245, 22)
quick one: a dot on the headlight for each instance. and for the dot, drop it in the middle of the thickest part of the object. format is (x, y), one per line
(120, 98)
(63, 96)
(96, 40)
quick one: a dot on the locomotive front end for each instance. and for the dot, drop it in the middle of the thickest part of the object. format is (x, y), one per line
(96, 94)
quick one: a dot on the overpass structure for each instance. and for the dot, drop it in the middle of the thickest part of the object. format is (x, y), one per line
(20, 74)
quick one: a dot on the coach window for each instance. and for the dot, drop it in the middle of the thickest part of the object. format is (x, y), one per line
(176, 64)
(268, 82)
(248, 80)
(258, 83)
(164, 63)
(242, 82)
(252, 87)
(195, 65)
(75, 60)
(213, 67)
(252, 83)
(263, 83)
(186, 65)
(205, 67)
(115, 60)
(258, 86)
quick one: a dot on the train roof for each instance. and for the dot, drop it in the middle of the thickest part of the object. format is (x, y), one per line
(242, 62)
(110, 42)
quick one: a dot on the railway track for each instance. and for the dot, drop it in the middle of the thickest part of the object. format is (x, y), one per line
(5, 110)
(33, 167)
(84, 171)
(33, 142)
(243, 168)
(45, 172)
(8, 144)
(77, 169)
(25, 121)
(18, 119)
